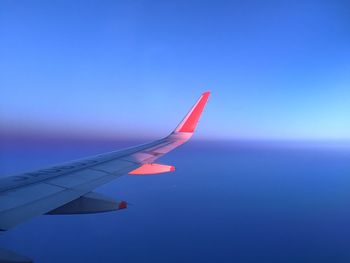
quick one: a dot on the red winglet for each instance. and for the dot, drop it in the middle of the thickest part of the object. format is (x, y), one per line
(189, 123)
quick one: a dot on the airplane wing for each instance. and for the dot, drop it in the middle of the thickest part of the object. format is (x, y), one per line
(67, 188)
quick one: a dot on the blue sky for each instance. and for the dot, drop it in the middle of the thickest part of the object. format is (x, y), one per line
(276, 69)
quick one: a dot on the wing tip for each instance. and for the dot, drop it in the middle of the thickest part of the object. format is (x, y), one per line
(190, 121)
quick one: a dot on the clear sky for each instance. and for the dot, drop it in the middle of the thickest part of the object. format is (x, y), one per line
(276, 69)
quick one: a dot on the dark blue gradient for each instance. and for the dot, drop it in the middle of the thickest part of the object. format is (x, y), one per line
(227, 202)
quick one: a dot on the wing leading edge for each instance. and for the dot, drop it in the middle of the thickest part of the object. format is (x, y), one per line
(31, 194)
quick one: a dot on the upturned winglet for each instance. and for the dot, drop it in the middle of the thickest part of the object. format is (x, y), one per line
(189, 123)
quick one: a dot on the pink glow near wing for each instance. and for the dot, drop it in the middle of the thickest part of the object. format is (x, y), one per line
(152, 168)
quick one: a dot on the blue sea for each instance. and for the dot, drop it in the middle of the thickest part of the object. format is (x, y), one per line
(227, 202)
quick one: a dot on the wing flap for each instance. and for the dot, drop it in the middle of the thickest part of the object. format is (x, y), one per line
(20, 212)
(21, 196)
(77, 179)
